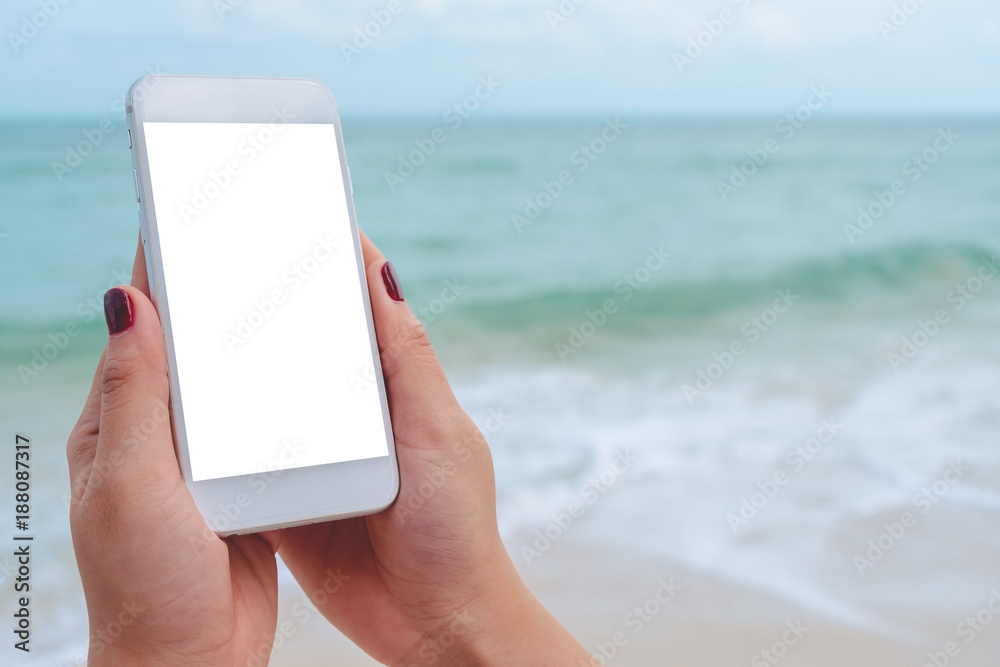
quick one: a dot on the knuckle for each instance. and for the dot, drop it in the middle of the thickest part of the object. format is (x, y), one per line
(74, 443)
(117, 374)
(411, 341)
(414, 336)
(75, 439)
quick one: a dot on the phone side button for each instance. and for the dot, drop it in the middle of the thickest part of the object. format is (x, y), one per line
(129, 138)
(135, 177)
(142, 229)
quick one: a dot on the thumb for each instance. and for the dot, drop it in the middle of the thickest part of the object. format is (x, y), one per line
(135, 452)
(415, 381)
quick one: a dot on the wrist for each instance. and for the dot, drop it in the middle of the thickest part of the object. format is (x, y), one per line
(504, 624)
(491, 623)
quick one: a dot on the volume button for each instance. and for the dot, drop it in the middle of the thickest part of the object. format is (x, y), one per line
(135, 178)
(129, 130)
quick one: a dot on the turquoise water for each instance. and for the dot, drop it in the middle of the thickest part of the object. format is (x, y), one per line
(522, 337)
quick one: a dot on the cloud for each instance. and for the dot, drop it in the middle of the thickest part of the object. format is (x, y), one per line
(608, 54)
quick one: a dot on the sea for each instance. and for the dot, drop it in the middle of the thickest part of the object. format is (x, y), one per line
(763, 353)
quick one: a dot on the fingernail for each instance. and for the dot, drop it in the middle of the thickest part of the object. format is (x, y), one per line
(118, 310)
(391, 281)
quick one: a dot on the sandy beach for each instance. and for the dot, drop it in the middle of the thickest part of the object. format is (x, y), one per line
(706, 623)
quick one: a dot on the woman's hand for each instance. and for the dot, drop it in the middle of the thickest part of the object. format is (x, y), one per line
(427, 581)
(161, 588)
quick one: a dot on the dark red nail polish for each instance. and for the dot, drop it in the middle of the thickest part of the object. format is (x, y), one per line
(391, 281)
(118, 310)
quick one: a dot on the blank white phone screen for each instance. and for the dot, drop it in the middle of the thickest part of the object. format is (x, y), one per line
(266, 309)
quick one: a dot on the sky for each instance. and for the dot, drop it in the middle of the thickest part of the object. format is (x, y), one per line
(548, 57)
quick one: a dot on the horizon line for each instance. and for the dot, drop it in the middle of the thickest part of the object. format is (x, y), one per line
(583, 116)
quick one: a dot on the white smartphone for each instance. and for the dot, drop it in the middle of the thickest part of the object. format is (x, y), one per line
(255, 268)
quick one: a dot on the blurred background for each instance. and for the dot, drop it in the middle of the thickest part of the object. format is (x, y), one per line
(722, 274)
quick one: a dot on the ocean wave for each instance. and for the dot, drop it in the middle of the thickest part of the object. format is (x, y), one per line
(849, 278)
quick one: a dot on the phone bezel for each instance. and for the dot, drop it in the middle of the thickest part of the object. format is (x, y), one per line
(296, 496)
